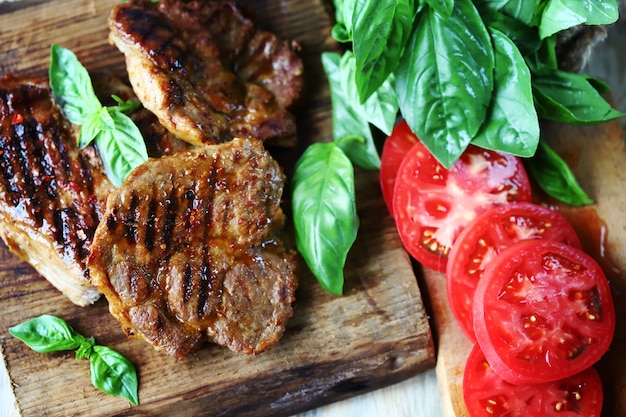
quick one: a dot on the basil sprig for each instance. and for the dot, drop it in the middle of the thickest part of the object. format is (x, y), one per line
(460, 72)
(110, 371)
(119, 142)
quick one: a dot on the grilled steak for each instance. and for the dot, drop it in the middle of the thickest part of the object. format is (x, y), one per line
(206, 71)
(189, 250)
(52, 194)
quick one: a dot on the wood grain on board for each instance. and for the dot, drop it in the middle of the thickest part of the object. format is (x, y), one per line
(334, 347)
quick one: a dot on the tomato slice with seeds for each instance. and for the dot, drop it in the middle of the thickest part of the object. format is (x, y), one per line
(395, 147)
(433, 204)
(543, 311)
(488, 395)
(485, 237)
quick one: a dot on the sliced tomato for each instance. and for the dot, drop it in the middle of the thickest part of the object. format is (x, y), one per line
(485, 237)
(395, 147)
(543, 311)
(488, 395)
(432, 204)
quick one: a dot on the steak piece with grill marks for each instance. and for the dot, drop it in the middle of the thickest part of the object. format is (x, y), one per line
(189, 250)
(207, 72)
(52, 195)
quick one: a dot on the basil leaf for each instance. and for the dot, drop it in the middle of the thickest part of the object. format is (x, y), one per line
(564, 14)
(113, 373)
(570, 98)
(525, 37)
(527, 11)
(380, 30)
(349, 119)
(490, 4)
(344, 10)
(555, 177)
(324, 212)
(443, 7)
(381, 108)
(47, 333)
(118, 147)
(512, 125)
(71, 85)
(444, 81)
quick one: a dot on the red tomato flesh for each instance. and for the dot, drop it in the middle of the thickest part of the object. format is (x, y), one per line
(395, 147)
(485, 237)
(543, 311)
(488, 395)
(432, 204)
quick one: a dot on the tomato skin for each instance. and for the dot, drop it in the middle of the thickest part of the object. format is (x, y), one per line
(432, 204)
(543, 311)
(486, 236)
(488, 395)
(396, 146)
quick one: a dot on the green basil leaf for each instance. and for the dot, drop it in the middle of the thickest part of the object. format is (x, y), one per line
(71, 85)
(47, 333)
(512, 125)
(490, 4)
(527, 11)
(92, 125)
(564, 14)
(121, 148)
(525, 37)
(444, 81)
(113, 373)
(555, 177)
(380, 30)
(381, 108)
(443, 7)
(344, 10)
(349, 119)
(570, 98)
(324, 212)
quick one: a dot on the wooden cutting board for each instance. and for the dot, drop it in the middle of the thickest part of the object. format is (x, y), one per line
(597, 155)
(334, 347)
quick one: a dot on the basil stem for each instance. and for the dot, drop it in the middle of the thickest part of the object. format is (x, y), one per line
(110, 371)
(119, 142)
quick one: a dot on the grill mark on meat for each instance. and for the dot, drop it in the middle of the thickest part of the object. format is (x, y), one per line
(183, 60)
(130, 222)
(207, 280)
(170, 218)
(64, 221)
(7, 169)
(211, 277)
(163, 49)
(150, 225)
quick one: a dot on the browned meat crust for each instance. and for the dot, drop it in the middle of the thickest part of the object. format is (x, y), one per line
(189, 250)
(206, 71)
(52, 195)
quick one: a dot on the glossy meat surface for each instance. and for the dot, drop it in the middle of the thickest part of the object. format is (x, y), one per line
(52, 195)
(207, 72)
(190, 250)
